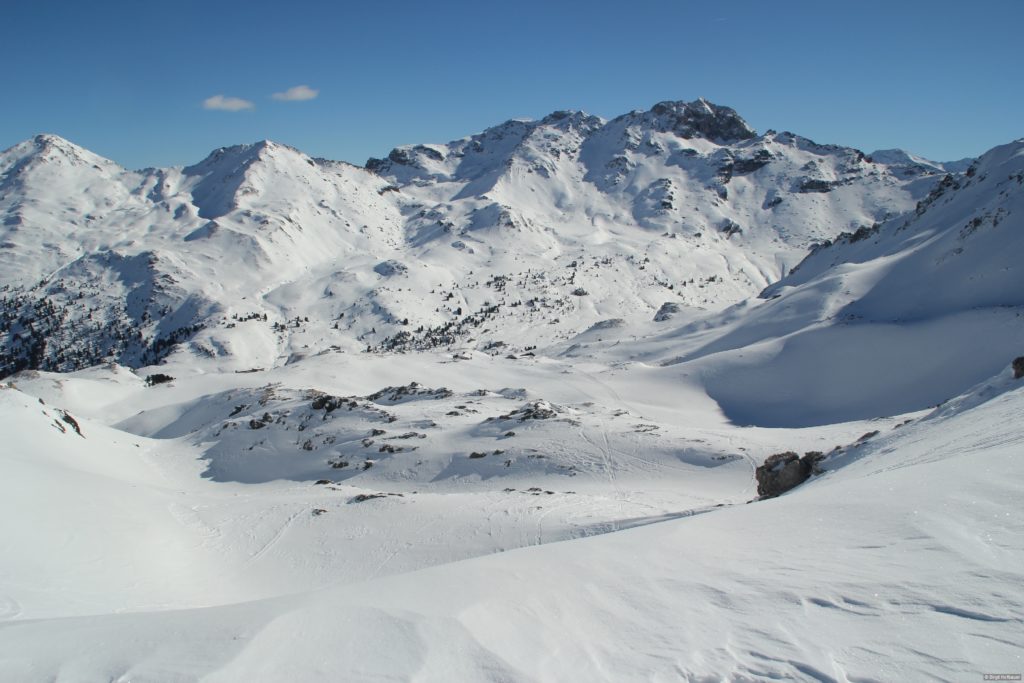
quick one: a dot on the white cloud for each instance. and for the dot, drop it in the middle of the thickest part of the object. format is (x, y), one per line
(222, 103)
(296, 94)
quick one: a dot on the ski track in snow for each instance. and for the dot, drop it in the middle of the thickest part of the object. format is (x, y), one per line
(278, 535)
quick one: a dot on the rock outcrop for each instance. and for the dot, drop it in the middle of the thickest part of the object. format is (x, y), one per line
(784, 471)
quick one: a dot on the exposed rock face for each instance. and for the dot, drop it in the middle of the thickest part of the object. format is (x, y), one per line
(703, 119)
(667, 310)
(1018, 367)
(815, 185)
(760, 159)
(783, 471)
(390, 267)
(730, 228)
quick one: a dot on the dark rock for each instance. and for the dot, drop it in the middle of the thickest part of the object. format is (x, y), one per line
(390, 267)
(1018, 367)
(730, 228)
(760, 159)
(702, 119)
(783, 471)
(667, 310)
(327, 403)
(815, 185)
(400, 156)
(862, 233)
(725, 171)
(388, 448)
(71, 421)
(428, 152)
(363, 497)
(375, 165)
(391, 395)
(535, 410)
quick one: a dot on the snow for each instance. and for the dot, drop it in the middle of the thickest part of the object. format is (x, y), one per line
(902, 561)
(649, 209)
(382, 457)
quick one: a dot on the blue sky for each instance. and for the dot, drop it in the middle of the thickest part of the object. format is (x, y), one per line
(129, 79)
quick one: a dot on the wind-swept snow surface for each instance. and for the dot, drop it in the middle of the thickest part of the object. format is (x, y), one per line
(901, 562)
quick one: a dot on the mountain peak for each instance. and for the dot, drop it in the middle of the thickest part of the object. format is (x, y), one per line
(44, 139)
(47, 149)
(240, 156)
(572, 119)
(49, 145)
(701, 118)
(901, 158)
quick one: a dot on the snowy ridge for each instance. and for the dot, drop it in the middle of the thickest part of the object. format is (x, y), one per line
(887, 319)
(912, 163)
(956, 252)
(683, 203)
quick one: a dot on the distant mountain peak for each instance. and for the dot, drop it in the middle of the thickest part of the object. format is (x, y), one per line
(242, 156)
(45, 139)
(47, 150)
(572, 119)
(47, 146)
(901, 158)
(701, 118)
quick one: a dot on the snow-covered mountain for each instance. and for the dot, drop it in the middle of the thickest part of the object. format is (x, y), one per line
(879, 321)
(911, 164)
(569, 221)
(495, 409)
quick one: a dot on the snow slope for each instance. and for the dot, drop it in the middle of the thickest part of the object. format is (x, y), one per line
(884, 320)
(901, 562)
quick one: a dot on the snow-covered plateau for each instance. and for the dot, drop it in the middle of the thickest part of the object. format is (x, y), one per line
(500, 410)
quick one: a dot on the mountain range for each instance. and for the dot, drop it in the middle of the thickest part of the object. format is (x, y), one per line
(651, 398)
(682, 205)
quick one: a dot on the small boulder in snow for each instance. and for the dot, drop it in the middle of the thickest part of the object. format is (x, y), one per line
(390, 267)
(783, 471)
(667, 310)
